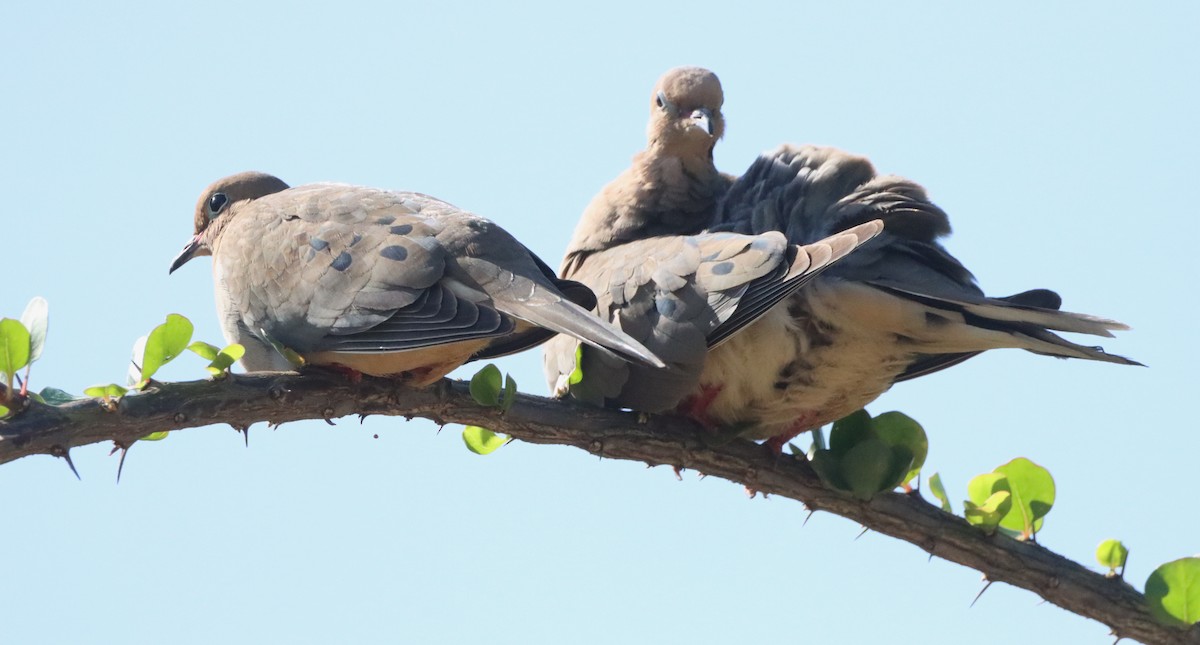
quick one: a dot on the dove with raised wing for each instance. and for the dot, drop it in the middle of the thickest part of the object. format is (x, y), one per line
(899, 307)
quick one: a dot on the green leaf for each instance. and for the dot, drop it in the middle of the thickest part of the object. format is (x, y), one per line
(1112, 554)
(939, 491)
(868, 468)
(164, 343)
(3, 411)
(55, 396)
(485, 386)
(510, 393)
(1032, 489)
(576, 375)
(155, 436)
(482, 441)
(818, 439)
(990, 500)
(987, 515)
(902, 461)
(828, 470)
(225, 359)
(293, 359)
(848, 432)
(899, 429)
(14, 347)
(36, 319)
(981, 487)
(204, 350)
(1173, 592)
(112, 390)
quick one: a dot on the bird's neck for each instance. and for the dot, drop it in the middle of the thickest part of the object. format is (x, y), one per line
(696, 159)
(660, 194)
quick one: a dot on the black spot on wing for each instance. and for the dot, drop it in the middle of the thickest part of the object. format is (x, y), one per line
(397, 253)
(386, 220)
(402, 229)
(342, 261)
(318, 244)
(934, 320)
(723, 268)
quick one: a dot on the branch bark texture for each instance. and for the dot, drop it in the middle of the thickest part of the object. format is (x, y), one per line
(242, 400)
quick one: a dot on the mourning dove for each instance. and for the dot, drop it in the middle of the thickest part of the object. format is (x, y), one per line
(898, 308)
(379, 282)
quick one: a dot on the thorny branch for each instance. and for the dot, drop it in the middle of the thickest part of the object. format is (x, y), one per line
(242, 400)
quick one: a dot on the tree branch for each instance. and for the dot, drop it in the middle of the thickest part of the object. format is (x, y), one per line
(242, 400)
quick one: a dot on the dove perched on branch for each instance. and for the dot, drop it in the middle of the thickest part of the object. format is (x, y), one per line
(379, 282)
(899, 307)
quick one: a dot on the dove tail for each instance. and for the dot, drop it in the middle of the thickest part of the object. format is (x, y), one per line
(566, 317)
(1026, 320)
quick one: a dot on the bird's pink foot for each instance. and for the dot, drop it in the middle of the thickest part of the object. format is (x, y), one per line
(801, 425)
(696, 406)
(351, 374)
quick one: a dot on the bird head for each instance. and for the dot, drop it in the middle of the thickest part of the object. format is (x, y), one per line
(212, 211)
(685, 110)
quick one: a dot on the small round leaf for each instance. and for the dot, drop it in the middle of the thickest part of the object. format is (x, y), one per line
(14, 346)
(204, 350)
(1112, 554)
(55, 396)
(482, 441)
(164, 343)
(1032, 489)
(899, 429)
(848, 432)
(576, 375)
(1173, 592)
(868, 468)
(486, 384)
(510, 393)
(939, 491)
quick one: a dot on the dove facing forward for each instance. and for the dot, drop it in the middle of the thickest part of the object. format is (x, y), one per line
(379, 282)
(899, 307)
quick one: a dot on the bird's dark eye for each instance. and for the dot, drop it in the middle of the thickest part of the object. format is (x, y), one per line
(216, 203)
(660, 99)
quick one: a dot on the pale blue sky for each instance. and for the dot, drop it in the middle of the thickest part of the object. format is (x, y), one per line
(1060, 139)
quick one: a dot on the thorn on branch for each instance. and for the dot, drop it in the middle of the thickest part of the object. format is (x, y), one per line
(861, 533)
(980, 594)
(65, 454)
(121, 463)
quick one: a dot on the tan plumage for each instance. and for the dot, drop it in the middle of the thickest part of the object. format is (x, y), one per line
(898, 308)
(384, 283)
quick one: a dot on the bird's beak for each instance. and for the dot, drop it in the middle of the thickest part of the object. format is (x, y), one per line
(188, 252)
(703, 118)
